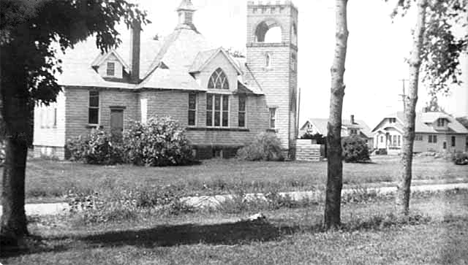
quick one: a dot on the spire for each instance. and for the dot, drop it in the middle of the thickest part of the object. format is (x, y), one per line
(186, 10)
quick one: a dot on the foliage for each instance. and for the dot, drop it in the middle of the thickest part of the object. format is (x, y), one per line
(159, 142)
(460, 158)
(265, 147)
(317, 136)
(96, 148)
(463, 121)
(355, 149)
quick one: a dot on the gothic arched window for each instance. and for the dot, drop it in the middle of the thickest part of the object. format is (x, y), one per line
(218, 80)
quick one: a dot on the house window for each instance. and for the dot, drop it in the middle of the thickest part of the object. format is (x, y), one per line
(272, 118)
(93, 112)
(192, 109)
(381, 139)
(394, 143)
(392, 120)
(217, 110)
(440, 122)
(454, 141)
(218, 80)
(353, 132)
(399, 140)
(432, 139)
(242, 101)
(110, 69)
(418, 137)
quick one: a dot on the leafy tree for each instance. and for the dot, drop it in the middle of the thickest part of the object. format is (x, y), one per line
(29, 32)
(435, 55)
(332, 215)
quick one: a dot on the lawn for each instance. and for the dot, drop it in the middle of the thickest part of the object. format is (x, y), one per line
(52, 180)
(435, 235)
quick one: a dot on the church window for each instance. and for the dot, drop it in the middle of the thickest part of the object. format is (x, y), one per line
(192, 109)
(242, 108)
(218, 80)
(272, 118)
(93, 111)
(268, 60)
(217, 110)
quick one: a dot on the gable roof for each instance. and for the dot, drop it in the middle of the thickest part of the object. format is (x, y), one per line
(424, 121)
(101, 58)
(204, 57)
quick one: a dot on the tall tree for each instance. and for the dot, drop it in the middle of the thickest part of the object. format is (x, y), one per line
(434, 54)
(332, 216)
(29, 31)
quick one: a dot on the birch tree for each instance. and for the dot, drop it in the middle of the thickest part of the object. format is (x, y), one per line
(435, 53)
(332, 215)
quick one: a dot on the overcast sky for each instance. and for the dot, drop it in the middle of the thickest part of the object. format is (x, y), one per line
(375, 64)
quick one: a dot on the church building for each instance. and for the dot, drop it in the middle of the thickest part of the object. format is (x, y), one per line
(224, 101)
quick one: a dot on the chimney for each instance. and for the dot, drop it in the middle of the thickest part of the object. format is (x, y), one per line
(352, 119)
(135, 52)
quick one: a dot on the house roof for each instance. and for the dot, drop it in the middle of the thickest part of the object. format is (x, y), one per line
(424, 122)
(322, 124)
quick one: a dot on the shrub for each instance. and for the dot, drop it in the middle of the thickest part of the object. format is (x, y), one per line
(460, 158)
(355, 149)
(266, 147)
(159, 142)
(96, 148)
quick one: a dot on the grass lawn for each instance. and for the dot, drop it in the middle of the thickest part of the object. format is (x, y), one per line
(51, 180)
(289, 236)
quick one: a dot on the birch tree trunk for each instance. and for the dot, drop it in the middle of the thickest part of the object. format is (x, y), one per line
(332, 216)
(405, 175)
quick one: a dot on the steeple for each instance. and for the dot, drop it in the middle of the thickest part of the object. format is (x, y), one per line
(186, 10)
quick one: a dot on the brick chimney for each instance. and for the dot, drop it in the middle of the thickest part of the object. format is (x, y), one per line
(135, 52)
(352, 119)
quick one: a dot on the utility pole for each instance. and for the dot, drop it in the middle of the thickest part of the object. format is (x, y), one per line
(403, 96)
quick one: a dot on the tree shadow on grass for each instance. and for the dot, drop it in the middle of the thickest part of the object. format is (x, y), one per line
(166, 236)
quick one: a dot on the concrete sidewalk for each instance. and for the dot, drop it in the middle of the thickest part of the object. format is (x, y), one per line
(214, 201)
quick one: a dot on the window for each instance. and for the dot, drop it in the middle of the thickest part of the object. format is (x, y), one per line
(353, 132)
(399, 140)
(110, 69)
(394, 142)
(382, 139)
(217, 110)
(293, 62)
(272, 118)
(268, 60)
(432, 139)
(218, 80)
(242, 102)
(93, 113)
(454, 141)
(418, 137)
(392, 120)
(440, 122)
(192, 109)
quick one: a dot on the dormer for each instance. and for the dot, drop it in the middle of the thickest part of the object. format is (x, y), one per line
(110, 66)
(441, 124)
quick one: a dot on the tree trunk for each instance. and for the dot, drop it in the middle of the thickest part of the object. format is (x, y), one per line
(404, 182)
(16, 116)
(332, 216)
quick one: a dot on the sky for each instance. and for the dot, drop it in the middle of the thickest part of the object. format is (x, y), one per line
(375, 63)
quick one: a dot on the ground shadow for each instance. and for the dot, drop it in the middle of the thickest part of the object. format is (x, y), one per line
(216, 234)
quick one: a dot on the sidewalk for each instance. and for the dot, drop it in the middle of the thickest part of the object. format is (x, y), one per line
(214, 201)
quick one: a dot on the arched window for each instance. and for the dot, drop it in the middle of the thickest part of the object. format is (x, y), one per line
(268, 60)
(218, 80)
(269, 32)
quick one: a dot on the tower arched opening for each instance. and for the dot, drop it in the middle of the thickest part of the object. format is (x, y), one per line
(268, 32)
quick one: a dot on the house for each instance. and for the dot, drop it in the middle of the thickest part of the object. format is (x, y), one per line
(348, 128)
(223, 101)
(434, 132)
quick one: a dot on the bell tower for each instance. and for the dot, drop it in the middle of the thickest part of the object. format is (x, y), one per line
(272, 58)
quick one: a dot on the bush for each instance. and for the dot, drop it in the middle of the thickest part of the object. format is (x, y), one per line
(96, 148)
(355, 149)
(266, 147)
(460, 158)
(159, 142)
